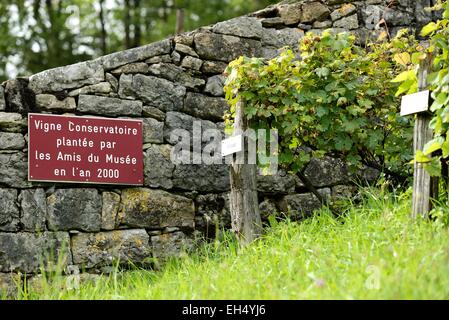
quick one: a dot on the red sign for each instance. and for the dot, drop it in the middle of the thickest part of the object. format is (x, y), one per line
(84, 149)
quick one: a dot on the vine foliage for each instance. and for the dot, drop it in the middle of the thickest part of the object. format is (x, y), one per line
(332, 98)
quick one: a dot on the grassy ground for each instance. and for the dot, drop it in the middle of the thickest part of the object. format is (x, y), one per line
(373, 251)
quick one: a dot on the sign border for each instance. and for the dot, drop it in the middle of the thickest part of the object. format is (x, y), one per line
(78, 182)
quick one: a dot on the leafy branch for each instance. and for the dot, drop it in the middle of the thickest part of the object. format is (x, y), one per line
(336, 99)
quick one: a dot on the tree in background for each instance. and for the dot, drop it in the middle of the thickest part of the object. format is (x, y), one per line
(42, 34)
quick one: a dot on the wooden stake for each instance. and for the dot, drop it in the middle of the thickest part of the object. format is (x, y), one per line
(245, 215)
(425, 187)
(179, 21)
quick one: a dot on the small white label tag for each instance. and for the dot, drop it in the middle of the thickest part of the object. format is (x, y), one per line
(231, 145)
(414, 103)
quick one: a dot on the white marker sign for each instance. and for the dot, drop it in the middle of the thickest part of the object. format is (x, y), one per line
(414, 103)
(231, 145)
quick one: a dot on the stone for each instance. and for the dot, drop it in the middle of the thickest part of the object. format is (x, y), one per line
(68, 77)
(191, 63)
(267, 208)
(322, 24)
(213, 67)
(175, 57)
(364, 35)
(176, 74)
(9, 211)
(204, 107)
(406, 3)
(349, 23)
(33, 209)
(20, 98)
(343, 192)
(214, 85)
(176, 122)
(269, 11)
(284, 37)
(158, 168)
(109, 211)
(49, 102)
(102, 88)
(108, 106)
(155, 209)
(159, 93)
(148, 111)
(397, 17)
(186, 50)
(9, 285)
(313, 11)
(299, 206)
(25, 252)
(334, 2)
(153, 131)
(113, 81)
(137, 67)
(343, 11)
(290, 13)
(170, 229)
(437, 15)
(327, 172)
(170, 245)
(74, 209)
(422, 16)
(213, 211)
(270, 52)
(125, 89)
(158, 59)
(2, 99)
(274, 22)
(201, 177)
(11, 141)
(12, 122)
(14, 170)
(368, 175)
(279, 183)
(166, 70)
(372, 14)
(104, 248)
(118, 59)
(244, 27)
(212, 46)
(304, 26)
(184, 38)
(221, 126)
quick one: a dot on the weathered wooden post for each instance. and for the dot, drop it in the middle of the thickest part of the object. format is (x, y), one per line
(179, 21)
(245, 215)
(425, 187)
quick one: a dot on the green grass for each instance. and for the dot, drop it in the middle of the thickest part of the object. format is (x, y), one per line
(373, 251)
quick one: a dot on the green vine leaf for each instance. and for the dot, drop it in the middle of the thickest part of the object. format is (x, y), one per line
(433, 167)
(429, 28)
(433, 145)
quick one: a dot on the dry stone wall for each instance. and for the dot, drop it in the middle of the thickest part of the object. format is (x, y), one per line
(168, 84)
